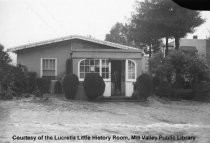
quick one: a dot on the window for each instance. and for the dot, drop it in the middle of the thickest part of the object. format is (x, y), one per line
(131, 70)
(100, 66)
(48, 68)
(105, 69)
(89, 65)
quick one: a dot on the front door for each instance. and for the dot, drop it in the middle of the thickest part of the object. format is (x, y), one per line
(118, 78)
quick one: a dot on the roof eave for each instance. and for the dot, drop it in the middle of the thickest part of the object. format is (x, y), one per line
(15, 49)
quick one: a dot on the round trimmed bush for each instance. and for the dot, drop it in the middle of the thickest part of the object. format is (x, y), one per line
(70, 85)
(144, 86)
(94, 85)
(58, 87)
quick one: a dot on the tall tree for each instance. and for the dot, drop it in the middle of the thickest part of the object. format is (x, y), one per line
(165, 18)
(182, 21)
(119, 33)
(142, 28)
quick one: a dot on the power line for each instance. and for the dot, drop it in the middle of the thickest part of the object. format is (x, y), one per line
(51, 15)
(41, 18)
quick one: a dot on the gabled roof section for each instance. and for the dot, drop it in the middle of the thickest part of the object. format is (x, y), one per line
(33, 45)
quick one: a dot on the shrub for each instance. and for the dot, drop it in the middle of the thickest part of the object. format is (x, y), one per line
(70, 85)
(13, 82)
(179, 64)
(202, 91)
(186, 94)
(179, 83)
(7, 94)
(94, 85)
(16, 80)
(31, 80)
(4, 57)
(164, 90)
(43, 84)
(58, 87)
(144, 86)
(37, 92)
(181, 70)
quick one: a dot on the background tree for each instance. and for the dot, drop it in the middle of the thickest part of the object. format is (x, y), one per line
(119, 33)
(142, 29)
(155, 19)
(4, 57)
(4, 62)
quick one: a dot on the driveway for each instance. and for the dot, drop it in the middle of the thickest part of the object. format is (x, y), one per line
(62, 121)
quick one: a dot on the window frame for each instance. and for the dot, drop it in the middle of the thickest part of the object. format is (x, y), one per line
(41, 62)
(135, 66)
(100, 69)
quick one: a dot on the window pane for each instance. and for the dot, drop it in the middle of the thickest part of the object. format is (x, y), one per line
(107, 69)
(91, 62)
(87, 69)
(82, 75)
(103, 69)
(48, 67)
(82, 62)
(107, 75)
(103, 75)
(97, 62)
(131, 70)
(82, 69)
(96, 69)
(86, 62)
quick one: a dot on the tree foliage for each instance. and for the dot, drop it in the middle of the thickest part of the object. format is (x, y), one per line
(154, 20)
(178, 66)
(164, 18)
(119, 33)
(4, 57)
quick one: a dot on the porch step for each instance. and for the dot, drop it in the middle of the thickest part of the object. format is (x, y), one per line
(118, 99)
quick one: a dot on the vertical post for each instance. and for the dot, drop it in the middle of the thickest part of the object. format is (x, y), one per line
(166, 50)
(71, 58)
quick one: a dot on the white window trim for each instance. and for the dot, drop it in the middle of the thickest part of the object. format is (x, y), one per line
(126, 70)
(100, 69)
(78, 73)
(41, 71)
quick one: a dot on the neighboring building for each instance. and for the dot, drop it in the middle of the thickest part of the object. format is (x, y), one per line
(200, 46)
(48, 59)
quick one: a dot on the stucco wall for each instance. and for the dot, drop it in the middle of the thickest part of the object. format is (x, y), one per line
(81, 50)
(32, 57)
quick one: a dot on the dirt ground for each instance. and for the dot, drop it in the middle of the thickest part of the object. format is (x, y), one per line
(62, 121)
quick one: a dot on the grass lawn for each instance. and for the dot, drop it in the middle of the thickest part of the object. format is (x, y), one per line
(120, 121)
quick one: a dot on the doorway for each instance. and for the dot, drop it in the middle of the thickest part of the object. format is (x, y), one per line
(117, 77)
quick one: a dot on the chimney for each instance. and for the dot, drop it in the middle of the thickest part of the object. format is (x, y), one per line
(195, 37)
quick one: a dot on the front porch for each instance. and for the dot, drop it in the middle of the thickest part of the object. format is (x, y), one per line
(119, 75)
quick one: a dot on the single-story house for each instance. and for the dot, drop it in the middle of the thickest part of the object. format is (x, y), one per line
(119, 65)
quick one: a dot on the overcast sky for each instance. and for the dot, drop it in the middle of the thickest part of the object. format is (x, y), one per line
(27, 21)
